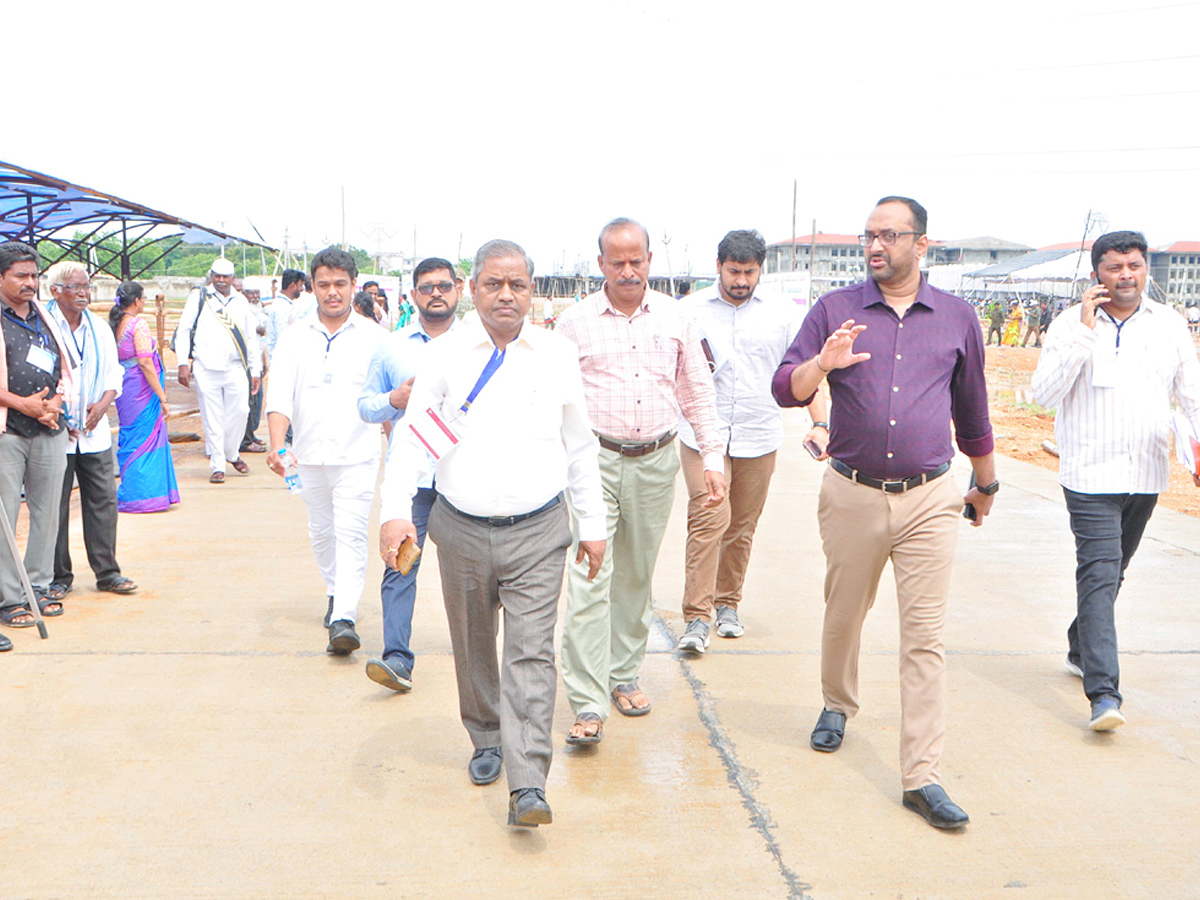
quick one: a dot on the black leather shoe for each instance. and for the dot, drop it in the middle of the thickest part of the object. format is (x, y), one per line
(343, 639)
(936, 806)
(484, 767)
(827, 735)
(329, 612)
(528, 808)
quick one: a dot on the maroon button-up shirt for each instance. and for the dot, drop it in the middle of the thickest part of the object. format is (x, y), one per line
(891, 414)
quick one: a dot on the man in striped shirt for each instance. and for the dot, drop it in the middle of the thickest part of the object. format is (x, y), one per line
(642, 366)
(1110, 366)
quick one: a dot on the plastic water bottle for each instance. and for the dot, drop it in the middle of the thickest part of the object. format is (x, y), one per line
(291, 475)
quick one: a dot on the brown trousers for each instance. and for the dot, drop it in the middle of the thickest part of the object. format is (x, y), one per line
(862, 528)
(719, 539)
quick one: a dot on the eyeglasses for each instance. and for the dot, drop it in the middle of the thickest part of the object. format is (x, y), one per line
(75, 288)
(442, 287)
(887, 238)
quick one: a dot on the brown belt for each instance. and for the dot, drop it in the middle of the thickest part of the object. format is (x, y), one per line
(626, 449)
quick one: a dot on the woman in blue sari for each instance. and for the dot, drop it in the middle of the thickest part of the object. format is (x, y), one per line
(143, 453)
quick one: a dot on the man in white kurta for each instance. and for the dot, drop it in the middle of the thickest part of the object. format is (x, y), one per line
(319, 369)
(217, 344)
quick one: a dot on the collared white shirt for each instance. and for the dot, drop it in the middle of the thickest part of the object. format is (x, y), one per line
(315, 381)
(93, 349)
(215, 347)
(747, 342)
(1113, 388)
(277, 320)
(526, 437)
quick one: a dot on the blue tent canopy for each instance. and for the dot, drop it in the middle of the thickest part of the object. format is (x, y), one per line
(37, 208)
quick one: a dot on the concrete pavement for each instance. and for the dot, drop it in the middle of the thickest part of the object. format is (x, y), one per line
(194, 740)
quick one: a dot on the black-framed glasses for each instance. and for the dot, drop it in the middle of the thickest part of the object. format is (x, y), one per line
(887, 238)
(442, 287)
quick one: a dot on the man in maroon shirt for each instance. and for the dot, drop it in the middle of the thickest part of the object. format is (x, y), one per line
(903, 360)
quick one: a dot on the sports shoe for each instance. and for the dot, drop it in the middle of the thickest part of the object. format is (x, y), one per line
(728, 624)
(1106, 714)
(1073, 668)
(343, 639)
(391, 673)
(694, 638)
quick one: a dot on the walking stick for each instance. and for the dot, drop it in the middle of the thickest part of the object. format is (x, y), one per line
(34, 609)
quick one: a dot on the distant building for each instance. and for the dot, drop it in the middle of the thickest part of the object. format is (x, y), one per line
(983, 251)
(832, 260)
(1176, 269)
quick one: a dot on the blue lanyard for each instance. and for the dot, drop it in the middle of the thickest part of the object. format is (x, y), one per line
(1120, 324)
(484, 377)
(46, 339)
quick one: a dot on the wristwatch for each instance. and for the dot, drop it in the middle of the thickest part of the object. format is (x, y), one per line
(988, 489)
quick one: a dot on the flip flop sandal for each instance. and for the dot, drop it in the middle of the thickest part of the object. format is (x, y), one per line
(55, 592)
(8, 613)
(216, 478)
(586, 719)
(241, 466)
(627, 692)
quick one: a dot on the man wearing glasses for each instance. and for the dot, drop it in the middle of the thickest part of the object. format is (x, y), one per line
(89, 340)
(903, 360)
(384, 399)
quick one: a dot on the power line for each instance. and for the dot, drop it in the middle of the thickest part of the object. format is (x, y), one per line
(1125, 11)
(1106, 64)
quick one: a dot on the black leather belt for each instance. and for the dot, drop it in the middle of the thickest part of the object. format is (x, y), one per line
(635, 449)
(502, 521)
(889, 487)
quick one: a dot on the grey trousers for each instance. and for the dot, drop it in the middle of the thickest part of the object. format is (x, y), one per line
(98, 506)
(517, 568)
(38, 463)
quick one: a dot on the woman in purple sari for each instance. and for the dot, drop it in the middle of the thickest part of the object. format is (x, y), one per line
(143, 453)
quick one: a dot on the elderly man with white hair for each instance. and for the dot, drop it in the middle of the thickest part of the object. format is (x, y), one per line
(218, 343)
(89, 341)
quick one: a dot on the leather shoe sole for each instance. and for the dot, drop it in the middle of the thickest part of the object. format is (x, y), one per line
(528, 809)
(343, 639)
(484, 767)
(936, 807)
(829, 730)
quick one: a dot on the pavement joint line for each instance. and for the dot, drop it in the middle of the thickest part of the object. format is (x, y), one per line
(1054, 654)
(310, 654)
(735, 773)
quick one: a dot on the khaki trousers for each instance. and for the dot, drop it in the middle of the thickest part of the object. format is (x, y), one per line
(862, 528)
(719, 539)
(608, 619)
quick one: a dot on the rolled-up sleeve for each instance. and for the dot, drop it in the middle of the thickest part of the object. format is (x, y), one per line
(807, 344)
(969, 399)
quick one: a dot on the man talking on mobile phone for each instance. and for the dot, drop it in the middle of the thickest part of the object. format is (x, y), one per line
(1110, 367)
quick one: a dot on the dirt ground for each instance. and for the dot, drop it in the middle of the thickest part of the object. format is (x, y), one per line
(1021, 426)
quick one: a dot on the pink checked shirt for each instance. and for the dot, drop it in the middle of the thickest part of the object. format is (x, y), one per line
(641, 371)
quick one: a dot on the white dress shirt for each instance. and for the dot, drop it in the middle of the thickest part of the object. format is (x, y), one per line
(315, 381)
(1112, 388)
(747, 342)
(93, 349)
(525, 438)
(215, 347)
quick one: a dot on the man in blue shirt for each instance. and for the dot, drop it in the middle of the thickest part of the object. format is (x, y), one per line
(384, 398)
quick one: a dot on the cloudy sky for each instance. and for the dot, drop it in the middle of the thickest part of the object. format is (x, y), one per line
(539, 121)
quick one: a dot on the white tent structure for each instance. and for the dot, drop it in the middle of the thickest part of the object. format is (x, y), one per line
(1043, 273)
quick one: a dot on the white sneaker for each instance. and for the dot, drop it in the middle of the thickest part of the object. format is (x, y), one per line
(728, 624)
(695, 637)
(1072, 668)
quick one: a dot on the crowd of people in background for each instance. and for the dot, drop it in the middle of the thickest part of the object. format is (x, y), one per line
(590, 419)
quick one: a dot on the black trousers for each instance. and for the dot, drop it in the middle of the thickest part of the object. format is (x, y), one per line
(255, 417)
(98, 502)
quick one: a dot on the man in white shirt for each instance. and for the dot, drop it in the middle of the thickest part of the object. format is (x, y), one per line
(384, 399)
(93, 349)
(746, 334)
(281, 307)
(217, 341)
(1110, 366)
(319, 370)
(501, 407)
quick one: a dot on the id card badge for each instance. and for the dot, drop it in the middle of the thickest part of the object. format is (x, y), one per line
(1104, 367)
(41, 358)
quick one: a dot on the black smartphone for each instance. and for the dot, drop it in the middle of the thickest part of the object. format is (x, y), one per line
(969, 508)
(813, 450)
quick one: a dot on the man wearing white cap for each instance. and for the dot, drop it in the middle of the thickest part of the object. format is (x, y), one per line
(219, 340)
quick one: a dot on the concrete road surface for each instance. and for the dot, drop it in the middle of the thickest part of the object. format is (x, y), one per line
(194, 740)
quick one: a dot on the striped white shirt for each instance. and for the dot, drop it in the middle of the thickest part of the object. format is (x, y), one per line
(1112, 386)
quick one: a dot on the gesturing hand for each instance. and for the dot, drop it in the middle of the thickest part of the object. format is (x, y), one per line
(838, 352)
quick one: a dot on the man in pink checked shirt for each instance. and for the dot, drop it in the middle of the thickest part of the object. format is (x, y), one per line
(642, 367)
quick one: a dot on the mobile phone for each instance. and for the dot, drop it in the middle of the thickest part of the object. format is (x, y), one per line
(813, 450)
(969, 508)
